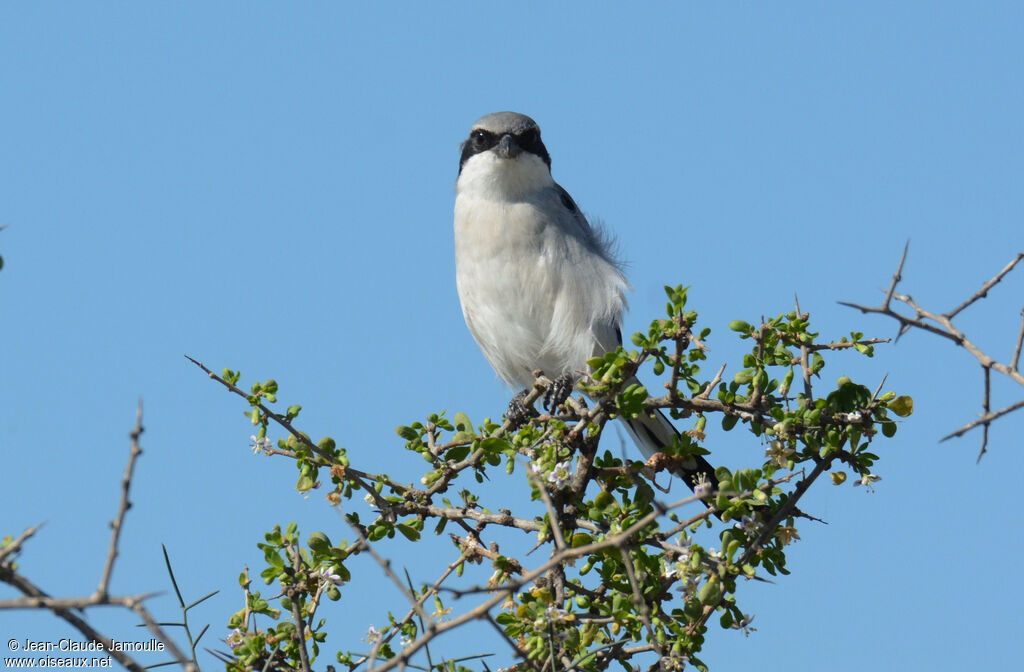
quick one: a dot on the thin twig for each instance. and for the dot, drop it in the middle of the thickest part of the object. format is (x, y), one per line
(714, 382)
(300, 623)
(422, 599)
(34, 597)
(638, 601)
(897, 276)
(1015, 362)
(386, 567)
(15, 546)
(983, 292)
(984, 420)
(125, 504)
(502, 593)
(556, 527)
(511, 642)
(941, 324)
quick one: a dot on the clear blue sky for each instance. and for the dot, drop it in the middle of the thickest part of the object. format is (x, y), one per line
(269, 187)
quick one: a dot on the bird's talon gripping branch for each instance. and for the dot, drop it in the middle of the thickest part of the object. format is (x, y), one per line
(559, 391)
(519, 413)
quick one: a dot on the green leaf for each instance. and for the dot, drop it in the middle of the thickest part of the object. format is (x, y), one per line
(741, 326)
(272, 558)
(410, 533)
(902, 406)
(463, 423)
(407, 433)
(319, 542)
(456, 454)
(710, 594)
(496, 444)
(581, 539)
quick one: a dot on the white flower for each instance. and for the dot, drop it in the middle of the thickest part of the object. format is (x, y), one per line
(867, 480)
(261, 444)
(689, 586)
(787, 534)
(328, 574)
(779, 454)
(681, 567)
(560, 475)
(749, 524)
(702, 488)
(373, 636)
(235, 639)
(555, 614)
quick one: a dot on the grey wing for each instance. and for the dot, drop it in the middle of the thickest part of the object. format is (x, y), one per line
(601, 279)
(595, 238)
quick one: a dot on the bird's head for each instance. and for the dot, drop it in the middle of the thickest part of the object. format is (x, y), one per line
(504, 154)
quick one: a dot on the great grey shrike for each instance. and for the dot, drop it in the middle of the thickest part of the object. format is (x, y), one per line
(540, 288)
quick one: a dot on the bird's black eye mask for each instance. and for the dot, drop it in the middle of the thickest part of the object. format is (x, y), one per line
(481, 140)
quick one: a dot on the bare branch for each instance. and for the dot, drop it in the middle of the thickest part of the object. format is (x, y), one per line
(125, 504)
(556, 527)
(714, 383)
(466, 554)
(15, 545)
(638, 601)
(897, 276)
(34, 597)
(300, 623)
(983, 292)
(984, 420)
(386, 567)
(1015, 362)
(942, 325)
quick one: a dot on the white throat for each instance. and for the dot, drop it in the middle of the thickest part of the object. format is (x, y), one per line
(489, 176)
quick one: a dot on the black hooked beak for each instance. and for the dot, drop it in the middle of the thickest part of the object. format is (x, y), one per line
(507, 147)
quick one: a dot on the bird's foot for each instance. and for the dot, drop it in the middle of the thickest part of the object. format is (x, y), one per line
(518, 412)
(559, 391)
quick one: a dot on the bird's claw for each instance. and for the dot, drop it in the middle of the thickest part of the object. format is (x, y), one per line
(518, 412)
(559, 391)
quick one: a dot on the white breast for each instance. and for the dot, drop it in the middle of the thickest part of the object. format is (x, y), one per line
(534, 295)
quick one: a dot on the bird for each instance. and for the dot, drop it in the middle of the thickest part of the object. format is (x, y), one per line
(540, 288)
